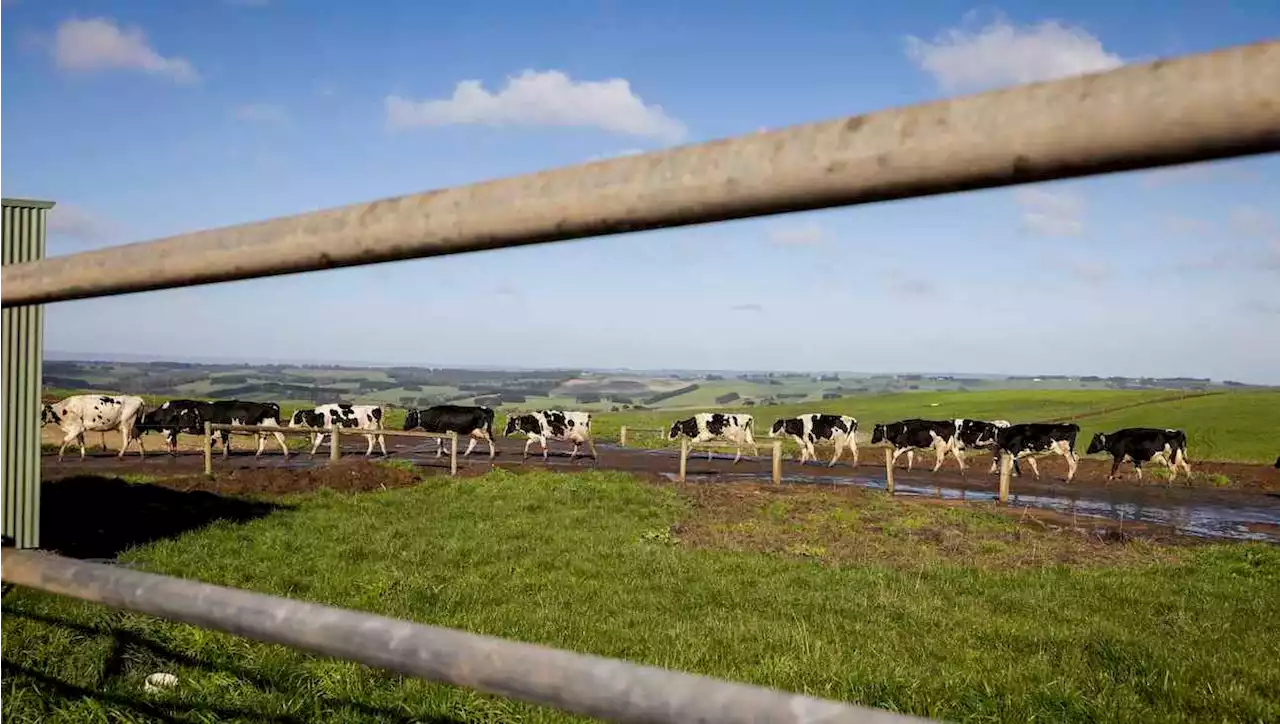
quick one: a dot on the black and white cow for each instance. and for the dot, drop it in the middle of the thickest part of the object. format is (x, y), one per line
(806, 429)
(916, 434)
(979, 435)
(1035, 439)
(174, 417)
(1142, 444)
(707, 426)
(472, 421)
(238, 412)
(79, 414)
(541, 425)
(343, 415)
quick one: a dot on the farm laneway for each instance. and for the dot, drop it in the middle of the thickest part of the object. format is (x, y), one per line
(1251, 510)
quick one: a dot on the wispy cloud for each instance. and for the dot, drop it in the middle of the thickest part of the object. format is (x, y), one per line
(97, 44)
(1002, 53)
(262, 113)
(756, 308)
(541, 98)
(1051, 213)
(806, 234)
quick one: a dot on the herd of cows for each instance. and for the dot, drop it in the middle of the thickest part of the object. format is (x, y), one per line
(130, 415)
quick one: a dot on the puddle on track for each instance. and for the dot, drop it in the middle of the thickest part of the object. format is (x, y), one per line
(1244, 521)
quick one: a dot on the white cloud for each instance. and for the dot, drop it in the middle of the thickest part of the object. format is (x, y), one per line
(261, 113)
(534, 98)
(1252, 221)
(1051, 213)
(615, 154)
(100, 44)
(753, 308)
(1003, 54)
(800, 235)
(75, 222)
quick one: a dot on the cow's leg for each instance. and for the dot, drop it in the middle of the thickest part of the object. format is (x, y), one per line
(225, 436)
(141, 453)
(1137, 466)
(543, 440)
(471, 445)
(369, 451)
(958, 453)
(810, 452)
(911, 457)
(738, 456)
(124, 441)
(1035, 467)
(839, 444)
(897, 452)
(592, 446)
(284, 444)
(316, 439)
(528, 441)
(853, 447)
(1115, 465)
(574, 452)
(439, 446)
(493, 452)
(262, 444)
(939, 454)
(1180, 458)
(382, 444)
(1072, 463)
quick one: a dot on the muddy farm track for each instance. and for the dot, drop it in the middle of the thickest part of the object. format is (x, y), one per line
(1248, 510)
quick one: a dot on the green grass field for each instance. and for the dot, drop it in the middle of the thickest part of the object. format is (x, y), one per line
(959, 613)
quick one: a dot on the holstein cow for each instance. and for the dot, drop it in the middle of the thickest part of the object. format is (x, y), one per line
(916, 434)
(474, 422)
(540, 425)
(96, 413)
(174, 417)
(707, 426)
(806, 429)
(327, 417)
(977, 434)
(1034, 439)
(1141, 444)
(237, 412)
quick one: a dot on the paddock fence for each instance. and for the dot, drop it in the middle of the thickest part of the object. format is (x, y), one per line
(335, 440)
(1192, 108)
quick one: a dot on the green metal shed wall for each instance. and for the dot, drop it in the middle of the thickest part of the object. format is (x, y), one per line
(24, 230)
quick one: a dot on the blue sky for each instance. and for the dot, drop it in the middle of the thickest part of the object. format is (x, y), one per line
(146, 119)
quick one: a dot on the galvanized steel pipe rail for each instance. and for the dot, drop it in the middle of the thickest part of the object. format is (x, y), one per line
(591, 685)
(1193, 108)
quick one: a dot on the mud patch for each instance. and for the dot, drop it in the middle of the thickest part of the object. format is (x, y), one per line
(851, 525)
(356, 476)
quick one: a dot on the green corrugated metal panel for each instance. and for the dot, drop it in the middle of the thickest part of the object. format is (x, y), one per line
(24, 229)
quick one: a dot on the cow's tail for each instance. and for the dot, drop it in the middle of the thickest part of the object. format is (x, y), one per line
(489, 415)
(1180, 448)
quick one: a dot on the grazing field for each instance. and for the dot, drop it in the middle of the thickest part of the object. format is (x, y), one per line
(965, 613)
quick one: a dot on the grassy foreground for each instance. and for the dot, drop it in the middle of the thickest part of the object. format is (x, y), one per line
(603, 563)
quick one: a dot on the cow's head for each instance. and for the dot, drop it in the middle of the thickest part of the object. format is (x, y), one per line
(49, 415)
(411, 419)
(777, 427)
(877, 434)
(511, 425)
(1097, 444)
(680, 426)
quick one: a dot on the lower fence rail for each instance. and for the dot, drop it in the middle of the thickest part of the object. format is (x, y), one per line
(596, 686)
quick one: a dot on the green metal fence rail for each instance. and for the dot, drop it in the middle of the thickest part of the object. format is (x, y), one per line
(1193, 108)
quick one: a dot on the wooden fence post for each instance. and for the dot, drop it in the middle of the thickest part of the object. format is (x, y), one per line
(777, 462)
(335, 445)
(684, 457)
(453, 453)
(1006, 472)
(208, 448)
(622, 436)
(888, 470)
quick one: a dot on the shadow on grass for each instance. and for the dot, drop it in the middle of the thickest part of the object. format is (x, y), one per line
(129, 647)
(92, 516)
